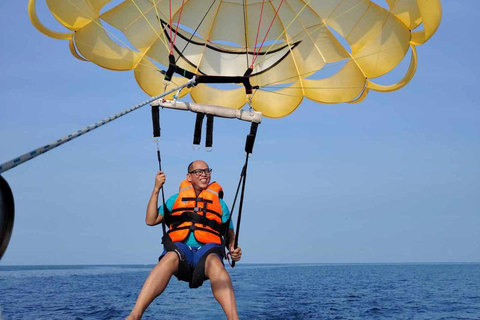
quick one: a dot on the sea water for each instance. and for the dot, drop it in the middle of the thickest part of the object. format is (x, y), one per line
(292, 291)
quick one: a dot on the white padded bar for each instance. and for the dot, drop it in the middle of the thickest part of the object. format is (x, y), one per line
(217, 111)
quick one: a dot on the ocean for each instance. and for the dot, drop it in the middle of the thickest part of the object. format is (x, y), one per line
(263, 291)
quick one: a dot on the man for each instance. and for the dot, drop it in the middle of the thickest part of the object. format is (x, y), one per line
(196, 218)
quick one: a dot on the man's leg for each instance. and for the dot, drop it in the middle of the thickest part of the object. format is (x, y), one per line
(155, 284)
(222, 287)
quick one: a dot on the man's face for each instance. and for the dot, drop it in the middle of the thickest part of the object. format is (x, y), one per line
(200, 179)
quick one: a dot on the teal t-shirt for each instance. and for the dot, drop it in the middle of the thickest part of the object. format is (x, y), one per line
(191, 241)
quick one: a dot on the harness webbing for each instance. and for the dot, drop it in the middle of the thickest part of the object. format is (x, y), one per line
(241, 182)
(243, 177)
(156, 136)
(195, 210)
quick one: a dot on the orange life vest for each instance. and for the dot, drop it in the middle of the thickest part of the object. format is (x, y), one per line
(200, 214)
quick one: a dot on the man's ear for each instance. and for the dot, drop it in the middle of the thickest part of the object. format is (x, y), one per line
(189, 177)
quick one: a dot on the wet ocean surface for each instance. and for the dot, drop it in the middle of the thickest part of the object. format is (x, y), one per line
(311, 291)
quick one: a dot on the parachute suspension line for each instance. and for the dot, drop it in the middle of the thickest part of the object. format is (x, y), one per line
(297, 40)
(172, 40)
(258, 31)
(245, 28)
(156, 139)
(160, 25)
(32, 154)
(170, 24)
(232, 264)
(201, 21)
(255, 55)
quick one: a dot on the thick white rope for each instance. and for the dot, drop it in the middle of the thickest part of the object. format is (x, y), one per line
(32, 154)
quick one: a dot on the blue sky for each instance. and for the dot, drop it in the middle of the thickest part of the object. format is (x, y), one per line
(394, 179)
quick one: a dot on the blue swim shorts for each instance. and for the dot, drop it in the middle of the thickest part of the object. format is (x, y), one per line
(193, 255)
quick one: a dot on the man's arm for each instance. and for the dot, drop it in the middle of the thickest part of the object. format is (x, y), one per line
(231, 237)
(152, 217)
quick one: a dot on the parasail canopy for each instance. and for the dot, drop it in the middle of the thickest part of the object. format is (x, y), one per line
(328, 51)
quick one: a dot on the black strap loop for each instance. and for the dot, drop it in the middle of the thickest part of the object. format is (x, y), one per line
(197, 134)
(156, 121)
(209, 138)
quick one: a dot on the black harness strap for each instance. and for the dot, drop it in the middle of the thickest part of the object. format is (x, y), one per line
(190, 216)
(243, 177)
(197, 199)
(193, 209)
(156, 136)
(193, 228)
(173, 68)
(251, 138)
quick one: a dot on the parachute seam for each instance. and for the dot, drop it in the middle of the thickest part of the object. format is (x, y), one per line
(123, 58)
(144, 17)
(338, 5)
(335, 64)
(358, 21)
(352, 8)
(309, 33)
(383, 26)
(142, 56)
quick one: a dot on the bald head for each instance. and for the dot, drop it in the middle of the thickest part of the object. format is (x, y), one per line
(195, 164)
